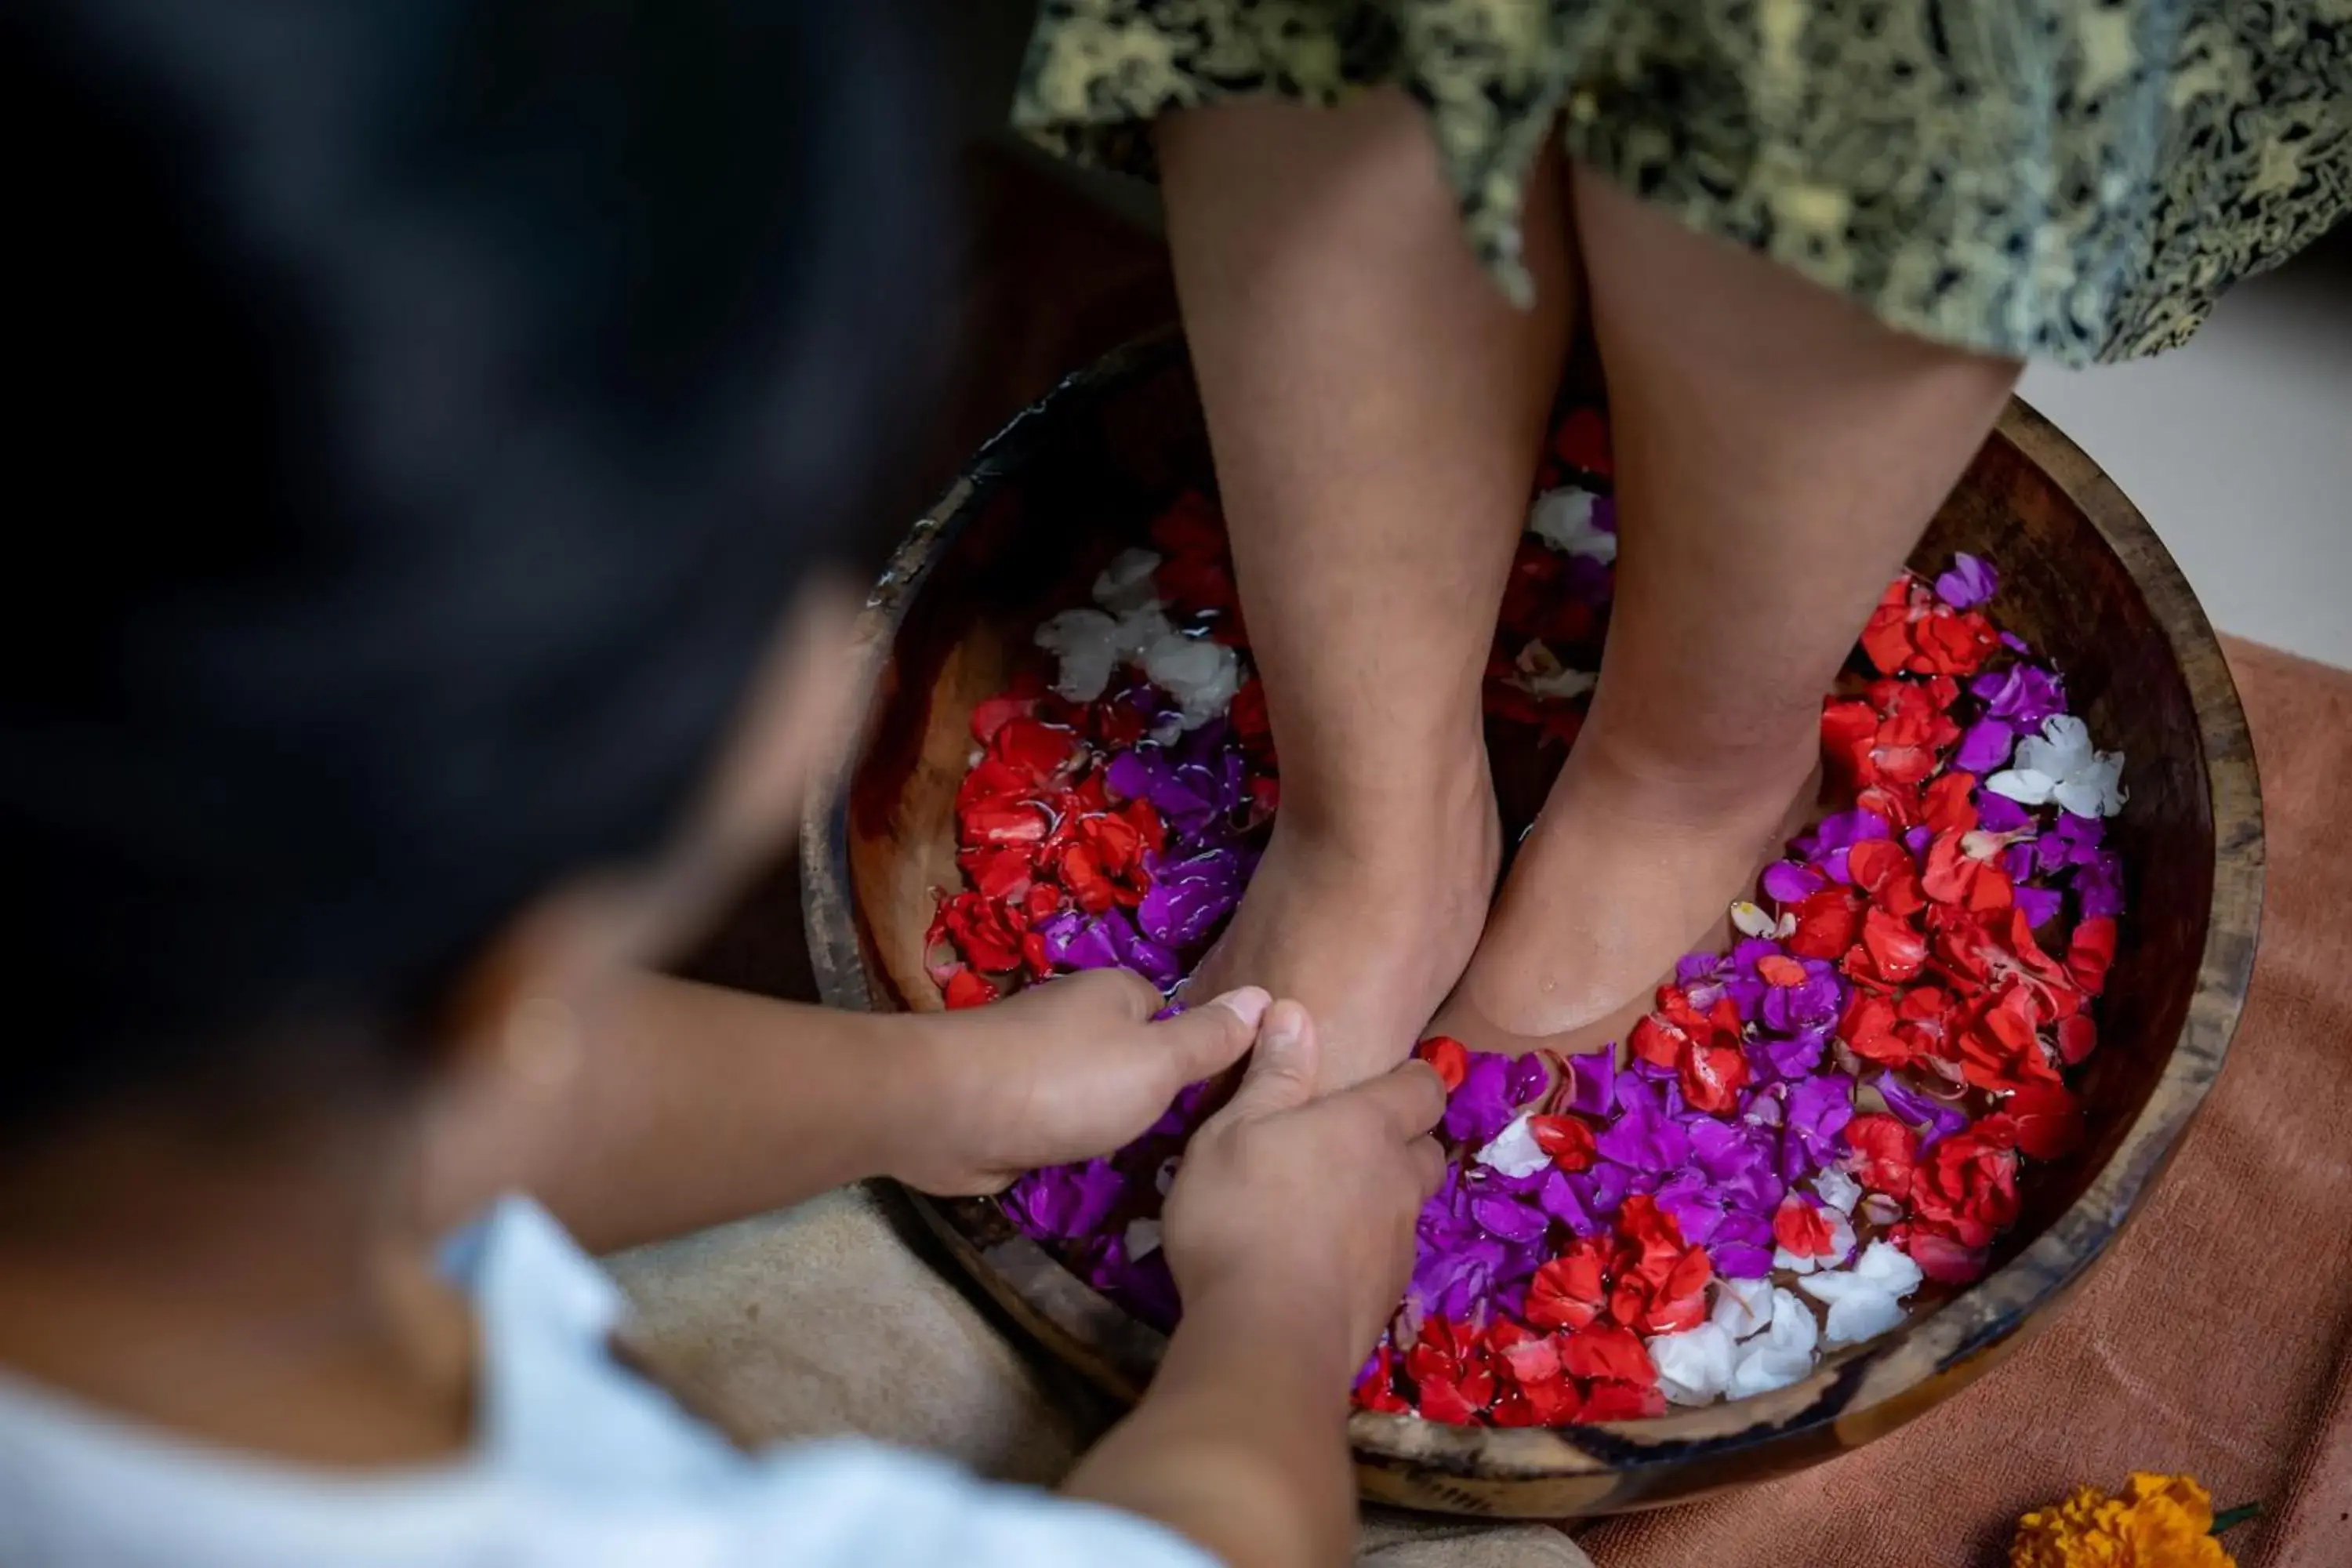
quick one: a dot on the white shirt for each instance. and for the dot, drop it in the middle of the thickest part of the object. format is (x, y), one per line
(577, 1464)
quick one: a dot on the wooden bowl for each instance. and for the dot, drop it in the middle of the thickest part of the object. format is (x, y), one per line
(1076, 478)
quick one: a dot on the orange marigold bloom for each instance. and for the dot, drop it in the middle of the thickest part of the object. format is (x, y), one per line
(2155, 1521)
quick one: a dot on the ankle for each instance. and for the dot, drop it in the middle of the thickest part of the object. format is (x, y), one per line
(1421, 812)
(1697, 778)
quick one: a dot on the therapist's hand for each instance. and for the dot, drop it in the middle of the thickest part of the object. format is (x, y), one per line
(1298, 1212)
(1290, 1230)
(1062, 1071)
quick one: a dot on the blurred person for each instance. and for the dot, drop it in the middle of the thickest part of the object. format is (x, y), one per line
(1815, 243)
(427, 412)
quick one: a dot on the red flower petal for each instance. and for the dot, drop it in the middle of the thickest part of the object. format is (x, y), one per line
(1444, 1399)
(1583, 441)
(1801, 1229)
(1608, 1352)
(1827, 920)
(966, 989)
(2048, 1118)
(1376, 1389)
(1896, 952)
(1889, 1152)
(1868, 1030)
(1448, 1056)
(2078, 1036)
(1568, 1292)
(1567, 1139)
(1949, 806)
(1656, 1041)
(1553, 1403)
(1887, 638)
(2089, 954)
(1529, 1357)
(1943, 1259)
(1625, 1401)
(1713, 1076)
(989, 717)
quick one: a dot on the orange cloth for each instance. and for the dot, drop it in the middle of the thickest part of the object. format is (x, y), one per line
(2216, 1339)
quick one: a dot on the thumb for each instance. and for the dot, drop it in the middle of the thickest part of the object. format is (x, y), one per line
(1202, 1041)
(1281, 1074)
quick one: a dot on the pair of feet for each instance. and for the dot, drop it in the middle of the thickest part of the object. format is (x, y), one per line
(1401, 933)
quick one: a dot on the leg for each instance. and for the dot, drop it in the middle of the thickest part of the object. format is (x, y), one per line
(1779, 452)
(1376, 409)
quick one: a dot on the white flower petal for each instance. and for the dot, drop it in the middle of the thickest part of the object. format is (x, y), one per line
(1782, 1355)
(1087, 644)
(1749, 920)
(1890, 1268)
(1538, 670)
(1165, 1177)
(1142, 1238)
(1879, 1208)
(1514, 1151)
(1883, 1271)
(1693, 1366)
(1743, 1307)
(2023, 786)
(1838, 1191)
(1201, 674)
(1563, 520)
(1138, 630)
(2095, 789)
(1864, 1315)
(1125, 584)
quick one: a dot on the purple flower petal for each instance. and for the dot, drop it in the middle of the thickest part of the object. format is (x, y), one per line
(1065, 1202)
(1937, 1120)
(1604, 1187)
(2099, 885)
(2040, 905)
(1530, 1080)
(1986, 747)
(1999, 813)
(1482, 1106)
(1455, 1282)
(1797, 1056)
(2024, 694)
(1790, 881)
(1741, 1260)
(1819, 1109)
(1643, 1138)
(1593, 1080)
(1188, 897)
(1968, 583)
(1558, 1197)
(1508, 1220)
(1585, 581)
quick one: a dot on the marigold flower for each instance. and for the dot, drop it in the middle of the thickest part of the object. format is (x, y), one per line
(2155, 1521)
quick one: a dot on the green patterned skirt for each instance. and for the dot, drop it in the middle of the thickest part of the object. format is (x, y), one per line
(2069, 180)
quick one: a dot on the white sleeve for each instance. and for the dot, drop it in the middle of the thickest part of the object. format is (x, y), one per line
(860, 1505)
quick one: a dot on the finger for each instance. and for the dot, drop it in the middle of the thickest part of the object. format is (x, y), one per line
(1209, 1038)
(1123, 991)
(1407, 1100)
(1428, 1157)
(1281, 1074)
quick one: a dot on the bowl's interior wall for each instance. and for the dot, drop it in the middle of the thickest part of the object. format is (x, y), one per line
(1069, 490)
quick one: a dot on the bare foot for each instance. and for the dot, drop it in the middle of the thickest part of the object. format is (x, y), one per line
(1628, 868)
(1370, 937)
